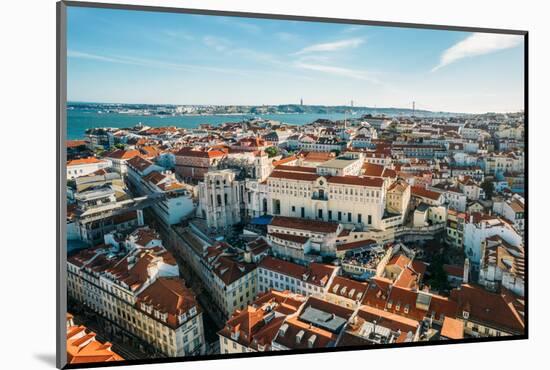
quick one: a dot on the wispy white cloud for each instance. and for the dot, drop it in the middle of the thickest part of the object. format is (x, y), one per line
(286, 36)
(352, 29)
(152, 63)
(227, 47)
(331, 46)
(245, 26)
(338, 71)
(81, 55)
(477, 44)
(217, 43)
(178, 35)
(249, 27)
(255, 56)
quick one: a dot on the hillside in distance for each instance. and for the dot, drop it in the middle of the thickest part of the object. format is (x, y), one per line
(172, 109)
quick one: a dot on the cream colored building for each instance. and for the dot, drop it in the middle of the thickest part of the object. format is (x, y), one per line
(340, 167)
(398, 197)
(350, 200)
(503, 162)
(140, 295)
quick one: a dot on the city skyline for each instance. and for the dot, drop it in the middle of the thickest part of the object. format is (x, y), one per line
(158, 58)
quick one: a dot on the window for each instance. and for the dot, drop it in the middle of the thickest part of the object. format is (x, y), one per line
(339, 216)
(303, 212)
(359, 218)
(349, 217)
(330, 215)
(369, 219)
(293, 208)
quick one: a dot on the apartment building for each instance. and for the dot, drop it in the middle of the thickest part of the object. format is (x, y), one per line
(86, 166)
(192, 164)
(139, 295)
(315, 279)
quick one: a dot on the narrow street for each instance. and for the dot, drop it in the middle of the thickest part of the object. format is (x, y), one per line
(212, 318)
(126, 350)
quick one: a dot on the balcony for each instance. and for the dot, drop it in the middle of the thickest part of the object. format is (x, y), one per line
(317, 196)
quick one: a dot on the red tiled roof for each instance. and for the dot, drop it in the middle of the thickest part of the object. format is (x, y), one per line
(139, 163)
(230, 270)
(317, 273)
(425, 193)
(372, 169)
(285, 301)
(389, 320)
(122, 154)
(354, 245)
(317, 156)
(356, 180)
(81, 161)
(303, 224)
(300, 176)
(348, 288)
(168, 295)
(400, 260)
(500, 310)
(296, 169)
(321, 338)
(82, 347)
(189, 152)
(284, 160)
(75, 143)
(452, 328)
(293, 238)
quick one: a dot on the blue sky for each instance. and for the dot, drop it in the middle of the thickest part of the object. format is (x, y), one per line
(146, 57)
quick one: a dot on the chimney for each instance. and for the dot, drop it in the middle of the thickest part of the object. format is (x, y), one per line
(299, 336)
(466, 271)
(247, 257)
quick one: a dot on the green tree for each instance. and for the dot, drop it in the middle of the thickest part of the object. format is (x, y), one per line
(438, 275)
(272, 151)
(489, 188)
